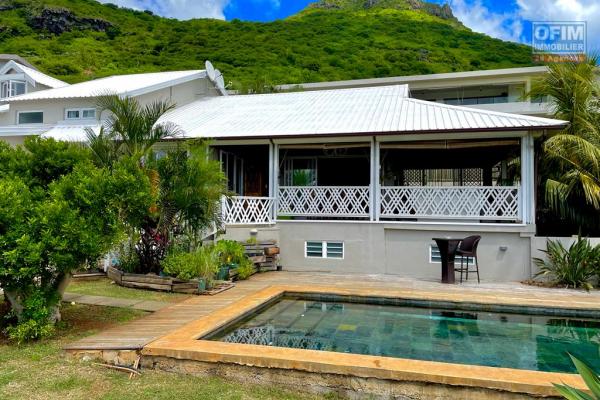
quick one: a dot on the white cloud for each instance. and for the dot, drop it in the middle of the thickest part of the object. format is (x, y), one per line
(180, 9)
(475, 15)
(565, 10)
(509, 25)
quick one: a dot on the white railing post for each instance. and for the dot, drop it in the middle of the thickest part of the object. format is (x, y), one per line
(377, 183)
(527, 180)
(373, 208)
(274, 183)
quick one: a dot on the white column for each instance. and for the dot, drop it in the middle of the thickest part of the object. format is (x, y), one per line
(271, 170)
(274, 175)
(374, 186)
(377, 180)
(527, 180)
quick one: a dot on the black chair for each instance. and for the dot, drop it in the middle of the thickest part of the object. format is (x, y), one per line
(468, 248)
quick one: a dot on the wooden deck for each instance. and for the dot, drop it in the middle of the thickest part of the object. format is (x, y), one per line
(136, 334)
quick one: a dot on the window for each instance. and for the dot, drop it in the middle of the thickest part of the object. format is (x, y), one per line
(30, 117)
(324, 249)
(73, 114)
(80, 113)
(435, 257)
(12, 88)
(89, 113)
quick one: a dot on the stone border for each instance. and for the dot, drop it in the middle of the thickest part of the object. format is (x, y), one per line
(185, 344)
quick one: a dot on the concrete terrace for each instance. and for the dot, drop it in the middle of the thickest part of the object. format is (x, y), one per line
(137, 334)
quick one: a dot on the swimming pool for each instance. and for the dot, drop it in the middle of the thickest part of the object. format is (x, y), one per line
(513, 337)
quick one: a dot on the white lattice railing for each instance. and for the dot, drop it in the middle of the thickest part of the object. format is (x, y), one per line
(243, 210)
(478, 202)
(324, 201)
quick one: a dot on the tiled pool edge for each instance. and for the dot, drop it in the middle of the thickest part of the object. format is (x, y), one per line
(183, 344)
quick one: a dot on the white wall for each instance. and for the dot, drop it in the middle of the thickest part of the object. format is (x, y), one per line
(54, 109)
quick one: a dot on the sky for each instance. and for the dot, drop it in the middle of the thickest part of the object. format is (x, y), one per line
(503, 19)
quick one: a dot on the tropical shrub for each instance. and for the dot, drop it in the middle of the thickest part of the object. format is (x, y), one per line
(575, 266)
(201, 263)
(57, 212)
(230, 252)
(591, 379)
(245, 269)
(187, 185)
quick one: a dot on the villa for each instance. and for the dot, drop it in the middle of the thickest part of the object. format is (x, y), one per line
(352, 176)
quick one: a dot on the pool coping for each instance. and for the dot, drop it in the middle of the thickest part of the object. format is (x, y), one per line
(184, 344)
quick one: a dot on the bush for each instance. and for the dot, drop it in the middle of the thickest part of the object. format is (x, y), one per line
(230, 252)
(246, 269)
(35, 319)
(190, 265)
(58, 212)
(573, 267)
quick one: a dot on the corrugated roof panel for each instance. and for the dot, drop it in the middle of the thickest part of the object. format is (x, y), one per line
(382, 109)
(42, 78)
(118, 84)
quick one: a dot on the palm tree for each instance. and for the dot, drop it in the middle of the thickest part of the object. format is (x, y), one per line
(187, 186)
(130, 129)
(573, 185)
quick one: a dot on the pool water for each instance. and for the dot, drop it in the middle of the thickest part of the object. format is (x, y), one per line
(532, 342)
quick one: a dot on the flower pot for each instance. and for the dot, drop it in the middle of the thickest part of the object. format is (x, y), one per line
(279, 268)
(201, 285)
(223, 273)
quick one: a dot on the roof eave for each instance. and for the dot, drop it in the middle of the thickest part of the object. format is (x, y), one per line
(388, 133)
(166, 84)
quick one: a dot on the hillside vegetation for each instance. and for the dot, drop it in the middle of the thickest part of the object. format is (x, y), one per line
(77, 40)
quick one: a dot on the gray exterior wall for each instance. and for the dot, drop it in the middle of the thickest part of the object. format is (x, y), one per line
(398, 248)
(243, 233)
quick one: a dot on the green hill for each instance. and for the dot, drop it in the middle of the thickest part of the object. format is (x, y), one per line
(76, 40)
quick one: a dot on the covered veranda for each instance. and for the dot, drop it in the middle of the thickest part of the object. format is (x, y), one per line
(388, 179)
(367, 154)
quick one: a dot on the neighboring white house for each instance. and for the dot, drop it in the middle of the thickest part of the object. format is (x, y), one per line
(495, 90)
(64, 111)
(17, 77)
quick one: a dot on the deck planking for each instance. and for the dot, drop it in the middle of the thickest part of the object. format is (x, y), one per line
(136, 334)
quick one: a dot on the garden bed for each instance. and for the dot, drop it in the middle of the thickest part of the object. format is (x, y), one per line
(152, 282)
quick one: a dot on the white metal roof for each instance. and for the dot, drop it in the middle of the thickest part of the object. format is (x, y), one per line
(35, 75)
(126, 85)
(70, 133)
(371, 110)
(396, 80)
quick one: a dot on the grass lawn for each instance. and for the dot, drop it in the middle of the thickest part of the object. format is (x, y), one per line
(105, 287)
(41, 370)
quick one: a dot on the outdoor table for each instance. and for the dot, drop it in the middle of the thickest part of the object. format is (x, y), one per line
(447, 248)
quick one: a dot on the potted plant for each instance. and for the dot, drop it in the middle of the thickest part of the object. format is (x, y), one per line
(230, 254)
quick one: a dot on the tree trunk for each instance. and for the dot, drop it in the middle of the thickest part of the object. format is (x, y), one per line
(60, 291)
(16, 303)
